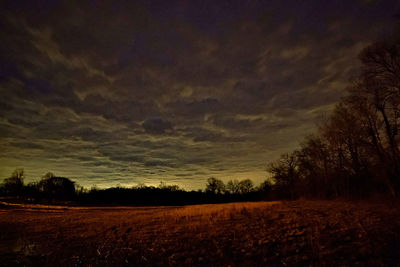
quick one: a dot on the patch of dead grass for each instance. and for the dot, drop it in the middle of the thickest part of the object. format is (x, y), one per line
(252, 233)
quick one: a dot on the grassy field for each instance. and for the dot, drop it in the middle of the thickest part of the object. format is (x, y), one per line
(262, 233)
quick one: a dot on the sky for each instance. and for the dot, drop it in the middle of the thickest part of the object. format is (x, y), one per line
(121, 93)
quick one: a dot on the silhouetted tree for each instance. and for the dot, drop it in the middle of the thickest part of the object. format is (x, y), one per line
(380, 82)
(246, 186)
(285, 173)
(164, 186)
(48, 175)
(356, 151)
(265, 190)
(233, 187)
(215, 186)
(14, 185)
(57, 187)
(265, 187)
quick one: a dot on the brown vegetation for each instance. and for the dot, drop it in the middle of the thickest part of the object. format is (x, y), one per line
(293, 232)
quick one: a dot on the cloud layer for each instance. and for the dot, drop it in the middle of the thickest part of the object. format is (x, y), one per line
(142, 91)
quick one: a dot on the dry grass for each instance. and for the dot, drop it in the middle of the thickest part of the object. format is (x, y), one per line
(261, 233)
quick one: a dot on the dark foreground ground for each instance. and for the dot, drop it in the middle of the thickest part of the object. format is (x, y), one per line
(327, 233)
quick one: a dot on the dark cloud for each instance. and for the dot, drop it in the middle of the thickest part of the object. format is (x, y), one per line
(200, 135)
(127, 158)
(195, 108)
(183, 174)
(231, 122)
(28, 145)
(88, 134)
(118, 152)
(156, 125)
(155, 163)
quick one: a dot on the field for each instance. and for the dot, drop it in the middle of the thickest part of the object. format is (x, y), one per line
(261, 233)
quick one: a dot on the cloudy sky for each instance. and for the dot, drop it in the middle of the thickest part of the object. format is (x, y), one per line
(126, 92)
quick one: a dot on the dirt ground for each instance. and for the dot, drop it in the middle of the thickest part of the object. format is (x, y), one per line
(318, 233)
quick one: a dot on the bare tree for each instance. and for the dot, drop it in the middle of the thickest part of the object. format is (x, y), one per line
(233, 187)
(14, 184)
(215, 186)
(246, 186)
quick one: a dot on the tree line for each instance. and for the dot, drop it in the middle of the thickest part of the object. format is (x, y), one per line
(355, 152)
(53, 189)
